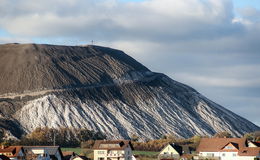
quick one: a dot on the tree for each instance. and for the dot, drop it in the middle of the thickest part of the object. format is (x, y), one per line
(1, 136)
(249, 136)
(223, 135)
(86, 134)
(164, 136)
(134, 138)
(254, 136)
(196, 139)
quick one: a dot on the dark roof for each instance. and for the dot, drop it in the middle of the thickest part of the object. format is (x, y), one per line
(112, 144)
(3, 157)
(256, 143)
(177, 148)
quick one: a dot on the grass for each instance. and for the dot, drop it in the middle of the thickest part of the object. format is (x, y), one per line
(76, 150)
(145, 153)
(80, 151)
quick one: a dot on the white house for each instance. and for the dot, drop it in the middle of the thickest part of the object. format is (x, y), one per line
(170, 151)
(227, 149)
(43, 152)
(113, 150)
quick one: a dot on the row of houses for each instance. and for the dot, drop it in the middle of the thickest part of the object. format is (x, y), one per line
(209, 148)
(215, 149)
(37, 153)
(228, 149)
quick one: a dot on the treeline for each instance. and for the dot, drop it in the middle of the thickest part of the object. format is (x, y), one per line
(159, 144)
(84, 138)
(192, 143)
(64, 137)
(1, 135)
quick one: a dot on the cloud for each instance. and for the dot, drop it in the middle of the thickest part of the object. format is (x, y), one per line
(107, 19)
(205, 80)
(202, 25)
(4, 40)
(198, 42)
(250, 13)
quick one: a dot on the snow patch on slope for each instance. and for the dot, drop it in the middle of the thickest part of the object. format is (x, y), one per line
(156, 116)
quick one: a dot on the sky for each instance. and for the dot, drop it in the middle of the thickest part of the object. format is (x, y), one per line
(211, 45)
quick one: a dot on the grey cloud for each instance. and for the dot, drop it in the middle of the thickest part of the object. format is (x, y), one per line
(157, 20)
(250, 13)
(184, 38)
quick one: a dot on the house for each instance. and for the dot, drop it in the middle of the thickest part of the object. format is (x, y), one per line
(12, 152)
(253, 144)
(112, 150)
(227, 149)
(77, 157)
(43, 152)
(173, 151)
(67, 155)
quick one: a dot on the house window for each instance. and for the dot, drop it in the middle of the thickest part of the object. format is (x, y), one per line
(234, 154)
(210, 154)
(223, 154)
(229, 147)
(101, 152)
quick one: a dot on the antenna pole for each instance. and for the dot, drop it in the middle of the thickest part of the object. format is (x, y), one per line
(54, 139)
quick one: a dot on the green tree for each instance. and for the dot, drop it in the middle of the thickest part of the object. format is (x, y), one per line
(1, 136)
(223, 135)
(135, 138)
(249, 136)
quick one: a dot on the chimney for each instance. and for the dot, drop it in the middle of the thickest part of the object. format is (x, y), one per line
(2, 146)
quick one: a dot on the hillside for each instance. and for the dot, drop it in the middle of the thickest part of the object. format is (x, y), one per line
(102, 89)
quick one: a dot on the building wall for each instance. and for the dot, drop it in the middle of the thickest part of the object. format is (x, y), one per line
(128, 153)
(103, 154)
(250, 144)
(100, 154)
(246, 158)
(168, 152)
(58, 155)
(226, 155)
(21, 154)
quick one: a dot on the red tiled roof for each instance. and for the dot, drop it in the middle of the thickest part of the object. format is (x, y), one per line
(249, 151)
(11, 149)
(115, 144)
(68, 153)
(216, 144)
